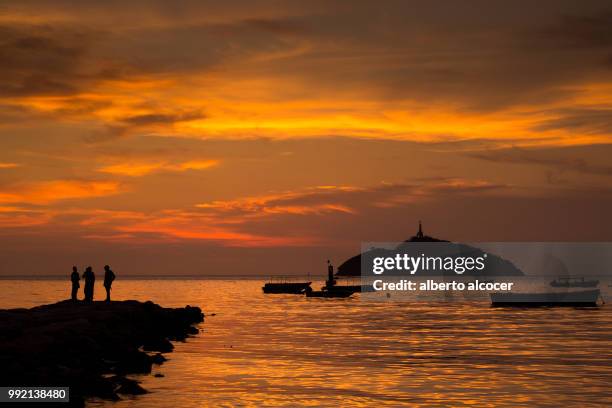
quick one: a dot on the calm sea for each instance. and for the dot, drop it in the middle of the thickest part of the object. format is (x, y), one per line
(288, 350)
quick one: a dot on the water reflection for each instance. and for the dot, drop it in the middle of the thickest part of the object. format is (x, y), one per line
(287, 350)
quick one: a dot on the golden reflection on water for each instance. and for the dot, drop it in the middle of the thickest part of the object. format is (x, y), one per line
(287, 350)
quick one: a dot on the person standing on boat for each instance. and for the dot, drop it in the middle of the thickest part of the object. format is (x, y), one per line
(90, 280)
(109, 277)
(330, 275)
(74, 278)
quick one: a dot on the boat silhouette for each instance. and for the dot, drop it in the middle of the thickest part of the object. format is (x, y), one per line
(284, 285)
(569, 282)
(331, 288)
(331, 292)
(585, 298)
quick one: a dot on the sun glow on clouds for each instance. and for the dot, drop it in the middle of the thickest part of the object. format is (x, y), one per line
(232, 222)
(17, 217)
(349, 91)
(135, 169)
(166, 229)
(46, 192)
(252, 221)
(287, 202)
(255, 116)
(228, 222)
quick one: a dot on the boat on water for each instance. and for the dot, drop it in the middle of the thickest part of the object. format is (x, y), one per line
(585, 298)
(331, 288)
(569, 282)
(331, 292)
(295, 288)
(358, 288)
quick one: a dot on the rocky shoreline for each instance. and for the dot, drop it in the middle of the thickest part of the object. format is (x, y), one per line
(90, 347)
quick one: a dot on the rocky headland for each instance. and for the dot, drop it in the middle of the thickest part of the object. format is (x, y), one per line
(90, 347)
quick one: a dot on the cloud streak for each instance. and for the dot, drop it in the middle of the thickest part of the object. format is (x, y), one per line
(46, 192)
(554, 159)
(138, 169)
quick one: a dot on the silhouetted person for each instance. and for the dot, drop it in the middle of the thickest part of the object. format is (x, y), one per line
(330, 274)
(74, 278)
(90, 279)
(109, 277)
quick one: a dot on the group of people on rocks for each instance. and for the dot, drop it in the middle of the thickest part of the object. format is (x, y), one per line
(90, 280)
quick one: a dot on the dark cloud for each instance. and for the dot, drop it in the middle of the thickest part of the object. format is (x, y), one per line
(42, 60)
(65, 59)
(10, 114)
(582, 31)
(161, 118)
(562, 159)
(143, 123)
(484, 56)
(276, 26)
(585, 121)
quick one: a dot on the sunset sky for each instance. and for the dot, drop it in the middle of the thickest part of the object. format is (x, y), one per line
(246, 137)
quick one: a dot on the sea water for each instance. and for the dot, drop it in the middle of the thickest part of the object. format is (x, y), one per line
(287, 350)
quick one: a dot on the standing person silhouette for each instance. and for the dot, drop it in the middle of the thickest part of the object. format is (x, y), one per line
(90, 279)
(330, 275)
(74, 278)
(109, 277)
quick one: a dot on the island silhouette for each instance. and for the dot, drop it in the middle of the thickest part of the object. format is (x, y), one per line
(496, 266)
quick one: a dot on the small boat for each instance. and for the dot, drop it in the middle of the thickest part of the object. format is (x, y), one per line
(286, 287)
(569, 282)
(331, 292)
(585, 298)
(358, 288)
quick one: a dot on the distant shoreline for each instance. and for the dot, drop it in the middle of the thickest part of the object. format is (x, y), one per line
(164, 277)
(265, 278)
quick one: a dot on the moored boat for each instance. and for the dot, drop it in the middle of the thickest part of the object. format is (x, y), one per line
(585, 298)
(286, 287)
(358, 288)
(569, 282)
(331, 292)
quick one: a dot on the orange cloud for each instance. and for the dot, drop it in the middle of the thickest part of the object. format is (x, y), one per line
(286, 202)
(238, 222)
(137, 169)
(243, 222)
(46, 192)
(8, 165)
(305, 210)
(17, 217)
(107, 217)
(166, 228)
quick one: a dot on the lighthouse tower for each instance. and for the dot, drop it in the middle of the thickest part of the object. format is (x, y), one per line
(419, 234)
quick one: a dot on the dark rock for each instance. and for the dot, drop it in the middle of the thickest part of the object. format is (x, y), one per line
(79, 344)
(160, 344)
(127, 386)
(158, 358)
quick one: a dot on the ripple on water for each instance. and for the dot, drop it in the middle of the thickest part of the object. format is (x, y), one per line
(288, 350)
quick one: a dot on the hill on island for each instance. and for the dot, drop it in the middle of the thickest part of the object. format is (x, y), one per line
(495, 265)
